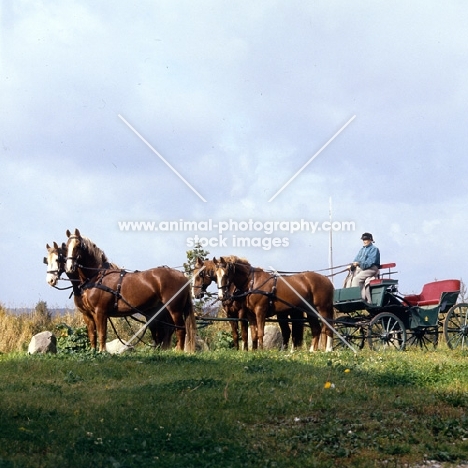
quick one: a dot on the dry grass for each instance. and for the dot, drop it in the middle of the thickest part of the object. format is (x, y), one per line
(16, 330)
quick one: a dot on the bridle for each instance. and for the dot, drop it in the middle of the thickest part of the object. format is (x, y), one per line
(228, 271)
(74, 259)
(60, 263)
(61, 267)
(204, 273)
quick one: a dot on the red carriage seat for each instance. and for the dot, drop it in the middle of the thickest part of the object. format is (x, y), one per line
(431, 292)
(379, 279)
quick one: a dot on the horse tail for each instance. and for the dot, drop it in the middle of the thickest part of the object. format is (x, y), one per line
(190, 328)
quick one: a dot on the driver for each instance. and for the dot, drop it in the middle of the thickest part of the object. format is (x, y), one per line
(364, 267)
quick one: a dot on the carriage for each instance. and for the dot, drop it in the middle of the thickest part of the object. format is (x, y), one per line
(396, 321)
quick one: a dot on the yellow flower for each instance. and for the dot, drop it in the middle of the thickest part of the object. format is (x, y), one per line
(327, 385)
(347, 371)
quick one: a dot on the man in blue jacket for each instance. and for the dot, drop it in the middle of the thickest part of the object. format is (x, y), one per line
(365, 266)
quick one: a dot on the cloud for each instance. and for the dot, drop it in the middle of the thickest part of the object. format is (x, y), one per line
(237, 97)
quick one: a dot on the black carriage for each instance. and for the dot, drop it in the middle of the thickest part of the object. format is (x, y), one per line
(395, 321)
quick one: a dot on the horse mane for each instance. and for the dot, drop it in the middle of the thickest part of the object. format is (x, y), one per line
(97, 254)
(240, 261)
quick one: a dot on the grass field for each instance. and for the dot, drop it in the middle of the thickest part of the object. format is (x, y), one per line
(233, 409)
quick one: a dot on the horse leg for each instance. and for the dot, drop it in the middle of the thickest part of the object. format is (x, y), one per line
(90, 327)
(232, 314)
(316, 329)
(261, 317)
(244, 326)
(101, 327)
(166, 339)
(235, 333)
(180, 334)
(254, 336)
(297, 329)
(285, 330)
(161, 330)
(326, 330)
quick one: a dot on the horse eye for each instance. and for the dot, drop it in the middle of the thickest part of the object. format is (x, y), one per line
(201, 274)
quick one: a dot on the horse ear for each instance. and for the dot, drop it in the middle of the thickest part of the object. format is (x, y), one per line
(64, 246)
(68, 233)
(47, 246)
(56, 245)
(199, 262)
(221, 260)
(215, 261)
(77, 232)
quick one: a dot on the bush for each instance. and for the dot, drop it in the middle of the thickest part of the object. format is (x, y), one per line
(71, 340)
(16, 330)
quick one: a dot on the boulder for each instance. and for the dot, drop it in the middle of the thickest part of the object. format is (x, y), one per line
(272, 338)
(200, 344)
(117, 347)
(44, 342)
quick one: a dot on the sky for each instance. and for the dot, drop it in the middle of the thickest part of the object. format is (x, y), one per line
(244, 113)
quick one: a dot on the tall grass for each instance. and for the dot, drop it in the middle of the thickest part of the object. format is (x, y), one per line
(16, 330)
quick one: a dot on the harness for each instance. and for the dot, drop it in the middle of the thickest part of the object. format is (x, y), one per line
(116, 292)
(270, 294)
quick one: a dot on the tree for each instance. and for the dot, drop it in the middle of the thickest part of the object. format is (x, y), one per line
(192, 255)
(42, 316)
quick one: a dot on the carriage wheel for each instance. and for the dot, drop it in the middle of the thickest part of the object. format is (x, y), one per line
(351, 331)
(456, 326)
(423, 337)
(386, 331)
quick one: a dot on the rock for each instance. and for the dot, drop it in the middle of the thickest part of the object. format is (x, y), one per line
(44, 342)
(200, 344)
(272, 338)
(117, 347)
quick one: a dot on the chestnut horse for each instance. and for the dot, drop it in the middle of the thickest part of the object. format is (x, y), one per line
(108, 292)
(268, 295)
(55, 262)
(235, 308)
(203, 276)
(161, 330)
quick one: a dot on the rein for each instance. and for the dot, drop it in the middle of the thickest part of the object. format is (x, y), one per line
(315, 271)
(270, 294)
(280, 272)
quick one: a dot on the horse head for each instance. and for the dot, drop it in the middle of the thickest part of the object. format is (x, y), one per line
(223, 273)
(203, 276)
(55, 262)
(73, 250)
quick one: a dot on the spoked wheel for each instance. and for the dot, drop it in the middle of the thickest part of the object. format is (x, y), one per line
(386, 331)
(456, 326)
(351, 331)
(424, 337)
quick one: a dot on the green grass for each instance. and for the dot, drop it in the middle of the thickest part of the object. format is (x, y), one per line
(233, 409)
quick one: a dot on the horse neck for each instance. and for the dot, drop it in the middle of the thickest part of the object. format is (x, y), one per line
(259, 278)
(241, 276)
(90, 264)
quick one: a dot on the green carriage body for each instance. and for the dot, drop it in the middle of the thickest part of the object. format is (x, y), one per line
(392, 319)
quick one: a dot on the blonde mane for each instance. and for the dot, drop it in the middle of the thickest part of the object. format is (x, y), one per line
(241, 261)
(98, 254)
